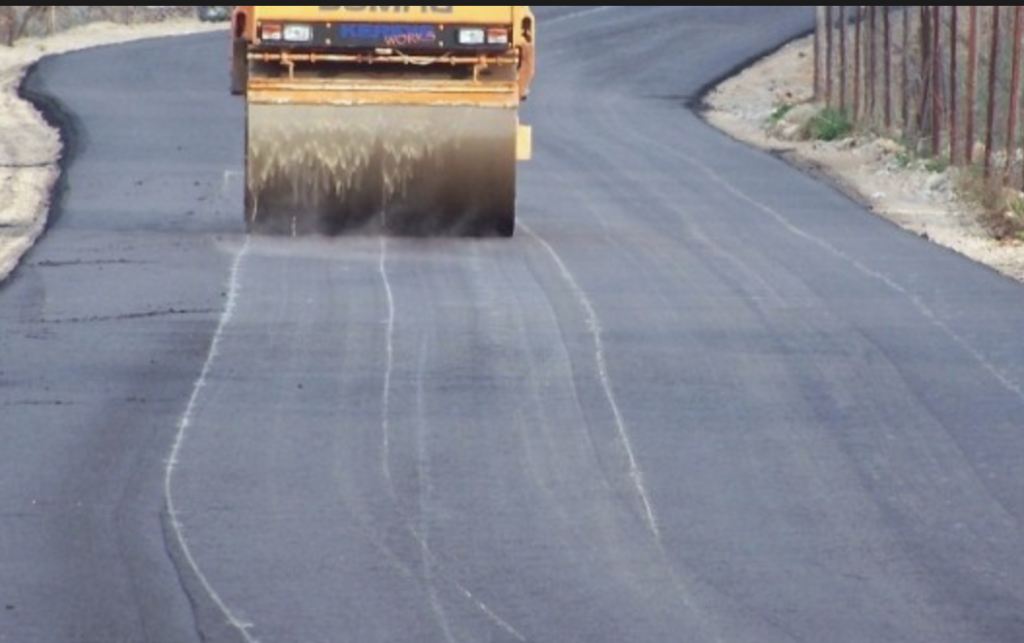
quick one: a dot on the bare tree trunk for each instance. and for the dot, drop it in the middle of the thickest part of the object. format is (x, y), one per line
(905, 75)
(829, 55)
(843, 60)
(858, 75)
(1011, 125)
(954, 81)
(871, 77)
(924, 114)
(972, 78)
(819, 32)
(887, 62)
(937, 105)
(8, 17)
(993, 84)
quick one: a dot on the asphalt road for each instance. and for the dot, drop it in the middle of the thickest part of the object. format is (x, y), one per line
(698, 397)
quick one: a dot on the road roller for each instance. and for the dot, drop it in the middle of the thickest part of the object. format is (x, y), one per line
(382, 120)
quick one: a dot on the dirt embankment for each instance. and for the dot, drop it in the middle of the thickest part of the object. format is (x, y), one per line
(873, 170)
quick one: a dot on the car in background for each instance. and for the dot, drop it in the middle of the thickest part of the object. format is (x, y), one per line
(213, 14)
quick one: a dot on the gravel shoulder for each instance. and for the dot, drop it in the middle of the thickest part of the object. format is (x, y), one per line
(868, 168)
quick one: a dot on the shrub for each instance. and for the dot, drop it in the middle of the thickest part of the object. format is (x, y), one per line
(829, 124)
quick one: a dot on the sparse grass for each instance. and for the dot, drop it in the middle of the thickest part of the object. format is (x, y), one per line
(1001, 211)
(936, 164)
(973, 187)
(1015, 214)
(779, 113)
(1016, 206)
(829, 124)
(906, 159)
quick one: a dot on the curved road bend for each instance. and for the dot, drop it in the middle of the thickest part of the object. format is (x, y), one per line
(698, 397)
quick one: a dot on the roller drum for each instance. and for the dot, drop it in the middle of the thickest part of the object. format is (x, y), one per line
(406, 170)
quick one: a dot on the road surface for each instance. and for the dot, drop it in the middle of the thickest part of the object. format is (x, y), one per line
(698, 397)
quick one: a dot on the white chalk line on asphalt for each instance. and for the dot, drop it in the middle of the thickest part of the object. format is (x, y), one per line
(184, 424)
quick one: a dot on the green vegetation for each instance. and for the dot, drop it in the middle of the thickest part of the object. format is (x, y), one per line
(779, 113)
(907, 159)
(1016, 206)
(829, 124)
(1015, 215)
(936, 164)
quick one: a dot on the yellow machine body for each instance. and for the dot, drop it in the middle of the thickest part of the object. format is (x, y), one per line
(383, 120)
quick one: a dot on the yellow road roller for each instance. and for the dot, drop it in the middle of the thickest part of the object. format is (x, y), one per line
(382, 120)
